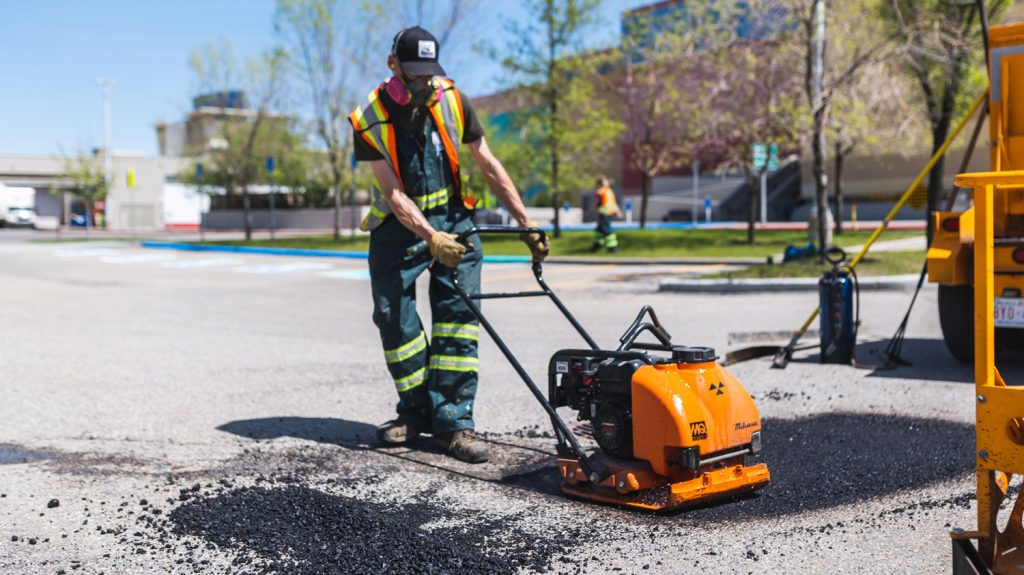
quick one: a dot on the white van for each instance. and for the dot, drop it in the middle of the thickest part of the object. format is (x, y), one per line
(17, 206)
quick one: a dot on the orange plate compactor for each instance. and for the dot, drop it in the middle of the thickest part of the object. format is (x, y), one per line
(673, 427)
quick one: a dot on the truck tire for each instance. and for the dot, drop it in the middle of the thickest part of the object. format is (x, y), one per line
(956, 316)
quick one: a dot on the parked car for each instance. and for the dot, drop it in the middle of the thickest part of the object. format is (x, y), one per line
(17, 206)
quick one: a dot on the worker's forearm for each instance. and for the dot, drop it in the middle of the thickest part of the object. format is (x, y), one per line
(409, 214)
(502, 186)
(401, 205)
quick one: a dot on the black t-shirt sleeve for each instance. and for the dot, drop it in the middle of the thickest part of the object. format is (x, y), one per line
(472, 129)
(364, 151)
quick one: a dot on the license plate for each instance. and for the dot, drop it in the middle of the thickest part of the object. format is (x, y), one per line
(1009, 312)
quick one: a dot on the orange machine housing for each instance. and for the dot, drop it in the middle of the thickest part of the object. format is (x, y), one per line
(684, 405)
(676, 406)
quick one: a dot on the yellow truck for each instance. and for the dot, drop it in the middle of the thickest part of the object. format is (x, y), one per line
(950, 257)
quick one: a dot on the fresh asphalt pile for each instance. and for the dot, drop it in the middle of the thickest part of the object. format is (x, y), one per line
(282, 528)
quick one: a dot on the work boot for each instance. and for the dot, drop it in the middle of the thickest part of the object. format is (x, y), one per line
(398, 431)
(464, 445)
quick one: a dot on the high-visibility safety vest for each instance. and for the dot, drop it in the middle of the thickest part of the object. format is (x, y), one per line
(372, 123)
(606, 204)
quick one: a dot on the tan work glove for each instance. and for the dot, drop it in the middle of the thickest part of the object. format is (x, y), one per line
(538, 248)
(446, 249)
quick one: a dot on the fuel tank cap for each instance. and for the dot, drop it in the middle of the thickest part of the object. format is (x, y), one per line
(686, 354)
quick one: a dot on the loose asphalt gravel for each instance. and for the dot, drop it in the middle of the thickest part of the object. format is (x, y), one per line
(173, 414)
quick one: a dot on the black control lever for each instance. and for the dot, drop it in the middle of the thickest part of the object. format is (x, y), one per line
(639, 326)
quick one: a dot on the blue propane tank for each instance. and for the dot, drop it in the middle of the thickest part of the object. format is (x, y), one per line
(835, 295)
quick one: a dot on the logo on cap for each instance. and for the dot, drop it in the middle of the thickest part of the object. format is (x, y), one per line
(428, 49)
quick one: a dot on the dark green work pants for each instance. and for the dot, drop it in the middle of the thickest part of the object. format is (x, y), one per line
(436, 377)
(604, 235)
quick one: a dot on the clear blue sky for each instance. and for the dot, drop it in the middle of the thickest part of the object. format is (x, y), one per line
(52, 50)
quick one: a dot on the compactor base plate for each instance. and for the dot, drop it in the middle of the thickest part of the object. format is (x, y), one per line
(632, 484)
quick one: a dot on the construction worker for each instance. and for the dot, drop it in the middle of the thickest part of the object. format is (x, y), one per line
(607, 208)
(412, 132)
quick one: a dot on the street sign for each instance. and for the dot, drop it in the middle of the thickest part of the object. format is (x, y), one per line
(627, 205)
(773, 157)
(131, 179)
(270, 164)
(760, 155)
(199, 170)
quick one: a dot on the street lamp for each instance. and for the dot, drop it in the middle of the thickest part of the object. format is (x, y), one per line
(106, 84)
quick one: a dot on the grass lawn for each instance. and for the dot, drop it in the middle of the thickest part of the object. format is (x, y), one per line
(878, 264)
(632, 243)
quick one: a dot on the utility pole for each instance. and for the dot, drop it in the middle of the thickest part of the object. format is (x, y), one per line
(695, 169)
(353, 215)
(108, 166)
(199, 193)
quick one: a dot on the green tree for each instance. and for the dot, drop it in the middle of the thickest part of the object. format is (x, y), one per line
(942, 53)
(572, 127)
(86, 180)
(262, 79)
(666, 86)
(835, 41)
(870, 117)
(763, 103)
(312, 30)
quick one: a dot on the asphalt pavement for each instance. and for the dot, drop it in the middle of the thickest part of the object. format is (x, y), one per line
(213, 413)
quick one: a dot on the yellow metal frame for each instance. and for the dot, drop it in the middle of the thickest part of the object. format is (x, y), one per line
(999, 451)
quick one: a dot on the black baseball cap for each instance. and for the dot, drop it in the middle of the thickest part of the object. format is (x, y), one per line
(416, 51)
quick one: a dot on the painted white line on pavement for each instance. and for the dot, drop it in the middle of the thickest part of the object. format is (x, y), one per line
(206, 263)
(21, 249)
(282, 268)
(138, 258)
(84, 252)
(347, 274)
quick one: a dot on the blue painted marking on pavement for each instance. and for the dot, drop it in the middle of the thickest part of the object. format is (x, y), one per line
(254, 250)
(301, 253)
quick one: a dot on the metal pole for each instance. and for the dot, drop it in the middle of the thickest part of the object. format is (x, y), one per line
(273, 198)
(695, 167)
(352, 214)
(131, 213)
(199, 197)
(764, 196)
(105, 84)
(201, 234)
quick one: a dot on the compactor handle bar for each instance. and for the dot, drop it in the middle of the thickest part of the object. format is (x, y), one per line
(538, 274)
(593, 469)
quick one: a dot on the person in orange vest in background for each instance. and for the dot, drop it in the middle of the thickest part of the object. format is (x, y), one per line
(607, 208)
(414, 130)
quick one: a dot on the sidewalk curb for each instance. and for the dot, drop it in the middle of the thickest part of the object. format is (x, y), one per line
(297, 252)
(704, 261)
(900, 282)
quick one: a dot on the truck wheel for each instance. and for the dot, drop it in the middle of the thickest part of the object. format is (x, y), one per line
(956, 316)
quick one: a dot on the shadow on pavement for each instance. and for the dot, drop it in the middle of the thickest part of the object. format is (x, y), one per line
(816, 463)
(928, 359)
(843, 458)
(333, 431)
(514, 464)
